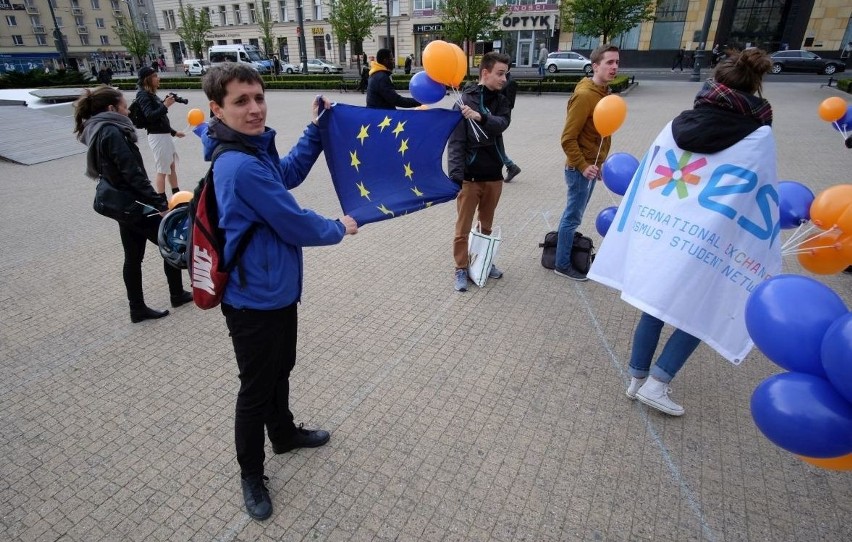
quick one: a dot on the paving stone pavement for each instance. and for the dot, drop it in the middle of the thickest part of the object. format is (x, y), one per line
(497, 414)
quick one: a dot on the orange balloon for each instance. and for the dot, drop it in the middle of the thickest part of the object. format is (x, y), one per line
(195, 117)
(180, 198)
(829, 204)
(609, 114)
(439, 61)
(844, 245)
(844, 462)
(844, 221)
(461, 65)
(832, 109)
(822, 254)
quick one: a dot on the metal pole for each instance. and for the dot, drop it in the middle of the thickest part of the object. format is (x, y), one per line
(303, 47)
(388, 33)
(700, 51)
(58, 38)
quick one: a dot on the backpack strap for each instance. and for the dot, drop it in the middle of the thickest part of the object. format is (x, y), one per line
(243, 245)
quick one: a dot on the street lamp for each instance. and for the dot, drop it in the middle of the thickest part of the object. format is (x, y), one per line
(300, 35)
(387, 21)
(58, 38)
(701, 51)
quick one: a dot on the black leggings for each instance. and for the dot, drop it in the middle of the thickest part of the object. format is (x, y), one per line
(133, 238)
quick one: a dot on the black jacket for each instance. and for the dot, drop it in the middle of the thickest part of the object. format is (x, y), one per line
(709, 130)
(155, 112)
(120, 162)
(382, 95)
(472, 159)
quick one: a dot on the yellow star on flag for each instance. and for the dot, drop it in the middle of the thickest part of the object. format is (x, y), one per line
(400, 127)
(385, 123)
(362, 135)
(403, 147)
(363, 189)
(417, 193)
(385, 210)
(355, 162)
(408, 171)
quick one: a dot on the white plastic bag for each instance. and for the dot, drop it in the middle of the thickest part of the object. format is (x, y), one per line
(482, 251)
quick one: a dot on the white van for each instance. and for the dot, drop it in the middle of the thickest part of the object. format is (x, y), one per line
(195, 66)
(246, 54)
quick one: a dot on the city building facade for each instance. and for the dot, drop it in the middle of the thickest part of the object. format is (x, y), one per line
(821, 26)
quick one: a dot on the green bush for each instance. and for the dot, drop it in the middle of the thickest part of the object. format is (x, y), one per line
(39, 79)
(845, 85)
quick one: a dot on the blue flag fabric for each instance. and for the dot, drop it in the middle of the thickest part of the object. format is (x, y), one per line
(387, 163)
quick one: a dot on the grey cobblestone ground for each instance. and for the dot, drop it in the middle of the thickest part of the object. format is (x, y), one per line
(498, 414)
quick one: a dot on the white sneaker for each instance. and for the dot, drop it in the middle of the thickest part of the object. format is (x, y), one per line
(635, 384)
(655, 394)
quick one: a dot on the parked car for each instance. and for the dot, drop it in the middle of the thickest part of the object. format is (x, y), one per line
(319, 65)
(568, 61)
(805, 61)
(195, 67)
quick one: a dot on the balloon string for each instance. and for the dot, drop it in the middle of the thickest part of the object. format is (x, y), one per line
(809, 239)
(805, 250)
(842, 130)
(477, 129)
(798, 234)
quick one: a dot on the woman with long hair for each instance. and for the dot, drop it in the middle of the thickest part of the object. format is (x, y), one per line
(101, 123)
(160, 132)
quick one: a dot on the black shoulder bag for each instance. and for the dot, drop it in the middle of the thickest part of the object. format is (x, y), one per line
(113, 202)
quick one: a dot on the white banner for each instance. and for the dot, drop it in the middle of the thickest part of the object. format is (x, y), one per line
(694, 235)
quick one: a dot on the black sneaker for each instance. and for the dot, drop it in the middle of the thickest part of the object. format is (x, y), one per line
(256, 497)
(848, 270)
(571, 273)
(181, 299)
(512, 172)
(302, 438)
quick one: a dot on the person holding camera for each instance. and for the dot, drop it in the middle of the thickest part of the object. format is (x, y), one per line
(160, 132)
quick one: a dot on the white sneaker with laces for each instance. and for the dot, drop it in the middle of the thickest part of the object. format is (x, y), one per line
(655, 394)
(635, 384)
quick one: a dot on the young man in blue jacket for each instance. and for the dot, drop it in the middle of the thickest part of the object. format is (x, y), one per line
(259, 304)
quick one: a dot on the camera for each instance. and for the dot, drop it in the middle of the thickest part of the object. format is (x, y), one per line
(178, 99)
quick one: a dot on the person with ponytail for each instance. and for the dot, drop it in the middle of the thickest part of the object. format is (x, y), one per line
(720, 157)
(101, 122)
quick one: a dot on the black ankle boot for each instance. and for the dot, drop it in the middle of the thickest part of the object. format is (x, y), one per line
(138, 314)
(181, 299)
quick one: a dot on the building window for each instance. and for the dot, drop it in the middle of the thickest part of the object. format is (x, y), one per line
(430, 5)
(255, 42)
(169, 19)
(252, 14)
(84, 39)
(35, 20)
(104, 40)
(11, 20)
(223, 18)
(99, 23)
(17, 40)
(318, 10)
(285, 12)
(238, 18)
(59, 22)
(41, 39)
(96, 4)
(79, 21)
(145, 25)
(668, 25)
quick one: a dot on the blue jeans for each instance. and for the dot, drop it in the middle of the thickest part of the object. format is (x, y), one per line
(678, 348)
(541, 69)
(579, 194)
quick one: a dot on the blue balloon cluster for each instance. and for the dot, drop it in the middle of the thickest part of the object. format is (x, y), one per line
(803, 326)
(425, 90)
(844, 123)
(604, 220)
(618, 171)
(794, 203)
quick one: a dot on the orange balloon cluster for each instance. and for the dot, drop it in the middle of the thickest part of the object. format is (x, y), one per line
(445, 63)
(609, 114)
(831, 251)
(180, 198)
(844, 462)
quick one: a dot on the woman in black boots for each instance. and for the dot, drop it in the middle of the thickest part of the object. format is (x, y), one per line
(101, 123)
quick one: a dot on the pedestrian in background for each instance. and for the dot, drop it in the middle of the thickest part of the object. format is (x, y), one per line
(678, 59)
(542, 59)
(408, 60)
(380, 91)
(160, 132)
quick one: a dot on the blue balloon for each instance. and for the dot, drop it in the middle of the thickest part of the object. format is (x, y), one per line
(837, 355)
(425, 90)
(787, 317)
(604, 220)
(844, 122)
(803, 414)
(618, 171)
(794, 203)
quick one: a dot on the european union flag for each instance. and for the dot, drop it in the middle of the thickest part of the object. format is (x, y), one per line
(386, 163)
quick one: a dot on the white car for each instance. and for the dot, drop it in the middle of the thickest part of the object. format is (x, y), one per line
(196, 67)
(568, 61)
(318, 65)
(286, 67)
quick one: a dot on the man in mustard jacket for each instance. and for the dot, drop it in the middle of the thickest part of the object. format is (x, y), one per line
(585, 149)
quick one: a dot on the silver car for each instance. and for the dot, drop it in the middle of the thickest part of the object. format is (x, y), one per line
(568, 61)
(318, 65)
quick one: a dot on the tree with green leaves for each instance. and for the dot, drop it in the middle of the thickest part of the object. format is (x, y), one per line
(265, 23)
(604, 18)
(471, 20)
(352, 21)
(136, 40)
(194, 29)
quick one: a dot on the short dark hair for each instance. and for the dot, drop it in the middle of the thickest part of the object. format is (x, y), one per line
(598, 53)
(384, 56)
(217, 79)
(491, 58)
